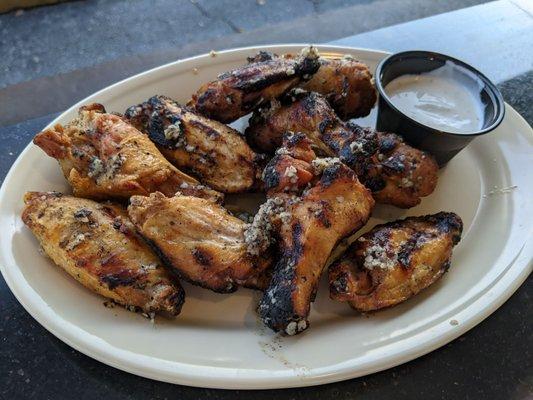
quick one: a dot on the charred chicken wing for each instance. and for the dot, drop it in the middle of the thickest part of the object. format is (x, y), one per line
(102, 157)
(237, 92)
(97, 245)
(347, 85)
(395, 261)
(198, 239)
(395, 172)
(307, 225)
(211, 151)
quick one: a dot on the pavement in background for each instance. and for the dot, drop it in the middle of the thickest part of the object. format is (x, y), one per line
(48, 40)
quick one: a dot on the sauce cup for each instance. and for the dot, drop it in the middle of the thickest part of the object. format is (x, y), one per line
(442, 144)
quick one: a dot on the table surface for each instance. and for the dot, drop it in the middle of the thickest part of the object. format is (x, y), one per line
(492, 361)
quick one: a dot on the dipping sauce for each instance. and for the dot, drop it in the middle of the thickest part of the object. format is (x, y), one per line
(447, 98)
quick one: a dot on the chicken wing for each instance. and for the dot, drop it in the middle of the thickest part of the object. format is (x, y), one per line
(211, 151)
(347, 85)
(395, 261)
(307, 226)
(198, 239)
(97, 245)
(103, 157)
(395, 172)
(345, 82)
(237, 92)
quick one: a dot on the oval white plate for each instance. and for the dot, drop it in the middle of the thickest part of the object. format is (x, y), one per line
(217, 341)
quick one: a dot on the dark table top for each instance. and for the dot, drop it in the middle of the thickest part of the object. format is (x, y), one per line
(492, 361)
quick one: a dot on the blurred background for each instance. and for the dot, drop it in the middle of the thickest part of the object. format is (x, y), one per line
(65, 51)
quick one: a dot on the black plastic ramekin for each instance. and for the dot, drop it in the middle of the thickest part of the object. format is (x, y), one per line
(443, 145)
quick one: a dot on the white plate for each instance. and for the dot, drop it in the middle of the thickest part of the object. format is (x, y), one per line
(217, 341)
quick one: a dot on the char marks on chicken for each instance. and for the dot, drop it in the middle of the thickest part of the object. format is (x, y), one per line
(237, 92)
(395, 261)
(199, 240)
(347, 85)
(307, 224)
(345, 82)
(98, 246)
(396, 173)
(104, 157)
(212, 152)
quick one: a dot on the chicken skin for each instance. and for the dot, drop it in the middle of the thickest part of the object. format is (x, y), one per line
(104, 157)
(396, 173)
(347, 85)
(212, 152)
(97, 245)
(307, 225)
(259, 281)
(395, 261)
(291, 169)
(345, 82)
(237, 92)
(198, 239)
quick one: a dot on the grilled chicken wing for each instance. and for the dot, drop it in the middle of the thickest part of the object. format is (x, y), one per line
(211, 151)
(395, 261)
(197, 239)
(395, 172)
(347, 85)
(307, 225)
(97, 245)
(237, 92)
(102, 157)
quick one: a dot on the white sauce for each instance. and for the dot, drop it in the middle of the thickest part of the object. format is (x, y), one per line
(447, 98)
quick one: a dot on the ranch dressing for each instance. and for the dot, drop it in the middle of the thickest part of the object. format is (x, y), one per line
(447, 98)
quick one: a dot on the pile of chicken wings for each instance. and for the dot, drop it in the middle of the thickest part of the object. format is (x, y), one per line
(148, 185)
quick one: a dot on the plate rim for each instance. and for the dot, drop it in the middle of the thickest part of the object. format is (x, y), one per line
(230, 378)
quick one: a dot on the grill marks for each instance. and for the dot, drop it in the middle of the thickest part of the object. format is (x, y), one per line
(356, 146)
(97, 245)
(209, 150)
(323, 212)
(331, 174)
(202, 257)
(334, 205)
(409, 247)
(277, 306)
(396, 173)
(399, 174)
(198, 240)
(123, 278)
(411, 255)
(346, 84)
(109, 265)
(104, 157)
(237, 92)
